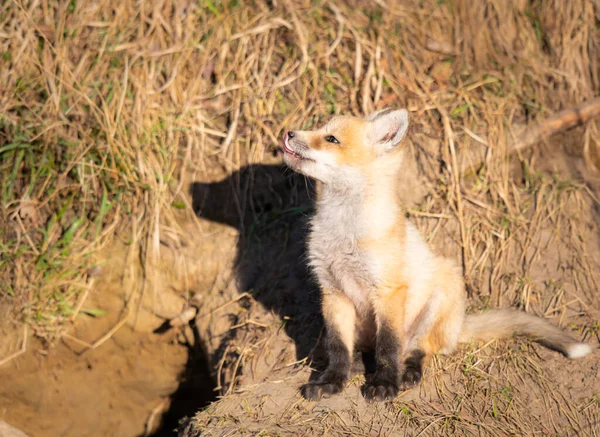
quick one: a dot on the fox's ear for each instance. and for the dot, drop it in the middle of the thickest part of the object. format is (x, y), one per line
(387, 128)
(373, 115)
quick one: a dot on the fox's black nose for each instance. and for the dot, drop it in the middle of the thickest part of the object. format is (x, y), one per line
(291, 134)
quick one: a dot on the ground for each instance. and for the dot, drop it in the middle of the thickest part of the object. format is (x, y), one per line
(140, 178)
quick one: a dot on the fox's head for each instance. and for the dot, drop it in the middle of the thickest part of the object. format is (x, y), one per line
(346, 146)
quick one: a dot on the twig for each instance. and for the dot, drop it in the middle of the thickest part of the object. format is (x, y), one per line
(233, 127)
(235, 299)
(22, 226)
(235, 372)
(594, 198)
(340, 33)
(106, 336)
(302, 361)
(78, 340)
(152, 416)
(427, 214)
(184, 318)
(275, 23)
(82, 299)
(476, 137)
(249, 322)
(559, 122)
(20, 351)
(220, 368)
(367, 102)
(456, 173)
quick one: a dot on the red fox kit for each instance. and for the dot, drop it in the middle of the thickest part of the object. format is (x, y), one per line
(382, 287)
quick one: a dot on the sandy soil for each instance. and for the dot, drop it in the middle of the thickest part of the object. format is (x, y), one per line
(139, 382)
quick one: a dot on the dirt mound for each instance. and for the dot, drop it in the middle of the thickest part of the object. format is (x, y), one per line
(135, 384)
(116, 373)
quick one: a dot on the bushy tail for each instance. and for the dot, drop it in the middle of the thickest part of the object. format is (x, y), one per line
(501, 323)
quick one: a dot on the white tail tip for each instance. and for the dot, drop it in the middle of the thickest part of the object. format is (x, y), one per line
(579, 350)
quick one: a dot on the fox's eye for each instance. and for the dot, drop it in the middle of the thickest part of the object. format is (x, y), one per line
(331, 139)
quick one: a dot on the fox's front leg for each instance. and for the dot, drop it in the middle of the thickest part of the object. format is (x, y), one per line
(340, 317)
(389, 313)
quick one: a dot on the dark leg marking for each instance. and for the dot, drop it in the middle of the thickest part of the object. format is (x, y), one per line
(333, 379)
(413, 368)
(386, 380)
(369, 362)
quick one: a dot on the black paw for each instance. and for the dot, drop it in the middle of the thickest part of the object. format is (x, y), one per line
(413, 369)
(324, 387)
(411, 377)
(380, 390)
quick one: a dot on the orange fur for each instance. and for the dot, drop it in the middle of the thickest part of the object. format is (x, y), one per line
(339, 314)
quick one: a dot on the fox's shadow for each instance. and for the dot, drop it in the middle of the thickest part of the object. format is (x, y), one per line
(269, 206)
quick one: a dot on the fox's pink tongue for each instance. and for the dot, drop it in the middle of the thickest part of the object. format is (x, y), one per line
(286, 146)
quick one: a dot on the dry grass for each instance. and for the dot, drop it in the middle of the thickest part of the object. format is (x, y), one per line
(108, 109)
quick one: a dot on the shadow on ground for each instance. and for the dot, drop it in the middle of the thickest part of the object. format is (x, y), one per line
(269, 206)
(195, 391)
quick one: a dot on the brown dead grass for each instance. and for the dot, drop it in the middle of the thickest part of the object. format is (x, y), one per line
(108, 109)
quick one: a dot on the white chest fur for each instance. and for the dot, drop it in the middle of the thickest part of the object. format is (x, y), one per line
(340, 263)
(334, 253)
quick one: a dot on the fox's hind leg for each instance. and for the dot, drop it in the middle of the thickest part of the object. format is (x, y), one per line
(444, 335)
(340, 319)
(430, 333)
(438, 325)
(418, 349)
